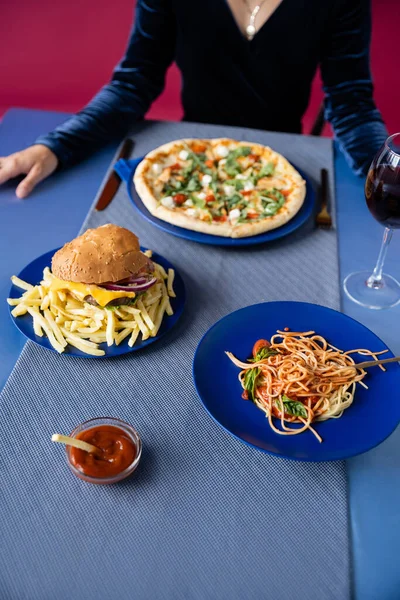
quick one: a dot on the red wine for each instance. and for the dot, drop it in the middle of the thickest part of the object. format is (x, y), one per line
(382, 192)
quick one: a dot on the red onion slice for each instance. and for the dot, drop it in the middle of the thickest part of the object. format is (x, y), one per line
(132, 287)
(133, 279)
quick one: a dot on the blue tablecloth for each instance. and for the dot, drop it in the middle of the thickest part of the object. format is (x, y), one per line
(60, 203)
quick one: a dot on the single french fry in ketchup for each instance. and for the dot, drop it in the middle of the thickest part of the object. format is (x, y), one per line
(70, 441)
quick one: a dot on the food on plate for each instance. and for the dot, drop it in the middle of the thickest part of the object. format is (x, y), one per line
(220, 186)
(299, 378)
(119, 450)
(101, 288)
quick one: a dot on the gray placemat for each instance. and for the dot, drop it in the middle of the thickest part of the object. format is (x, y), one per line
(205, 517)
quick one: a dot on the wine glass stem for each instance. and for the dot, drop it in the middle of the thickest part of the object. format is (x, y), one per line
(375, 279)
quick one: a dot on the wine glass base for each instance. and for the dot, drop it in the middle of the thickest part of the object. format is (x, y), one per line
(386, 296)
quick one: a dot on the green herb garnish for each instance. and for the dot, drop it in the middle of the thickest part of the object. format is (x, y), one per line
(234, 200)
(243, 216)
(193, 185)
(272, 201)
(293, 407)
(249, 382)
(197, 159)
(270, 209)
(266, 170)
(198, 201)
(236, 183)
(232, 167)
(207, 170)
(214, 187)
(172, 187)
(276, 195)
(251, 375)
(240, 151)
(264, 352)
(186, 171)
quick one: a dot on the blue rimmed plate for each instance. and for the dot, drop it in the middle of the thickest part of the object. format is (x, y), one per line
(126, 170)
(33, 273)
(372, 417)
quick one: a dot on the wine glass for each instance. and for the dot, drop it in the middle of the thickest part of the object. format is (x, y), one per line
(382, 192)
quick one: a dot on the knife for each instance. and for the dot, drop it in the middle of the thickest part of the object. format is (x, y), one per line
(112, 184)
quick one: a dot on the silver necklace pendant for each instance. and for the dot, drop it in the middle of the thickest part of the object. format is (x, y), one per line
(250, 29)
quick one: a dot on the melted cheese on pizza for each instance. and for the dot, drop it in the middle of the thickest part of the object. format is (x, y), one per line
(229, 181)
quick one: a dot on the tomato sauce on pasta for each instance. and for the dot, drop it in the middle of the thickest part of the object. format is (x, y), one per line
(299, 378)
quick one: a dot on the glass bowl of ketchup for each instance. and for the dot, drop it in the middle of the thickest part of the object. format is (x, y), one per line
(120, 447)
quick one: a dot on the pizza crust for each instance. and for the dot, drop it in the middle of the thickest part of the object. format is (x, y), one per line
(143, 189)
(285, 214)
(165, 154)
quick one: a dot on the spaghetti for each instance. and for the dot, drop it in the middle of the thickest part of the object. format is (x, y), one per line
(299, 378)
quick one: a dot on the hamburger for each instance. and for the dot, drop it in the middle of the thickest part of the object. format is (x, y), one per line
(104, 267)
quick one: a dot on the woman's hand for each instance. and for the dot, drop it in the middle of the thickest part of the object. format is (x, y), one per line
(36, 162)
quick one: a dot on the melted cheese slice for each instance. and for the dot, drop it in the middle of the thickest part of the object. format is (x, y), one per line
(101, 295)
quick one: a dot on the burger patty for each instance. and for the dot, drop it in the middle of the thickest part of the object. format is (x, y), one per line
(116, 302)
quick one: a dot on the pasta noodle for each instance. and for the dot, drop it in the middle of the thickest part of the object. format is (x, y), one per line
(299, 378)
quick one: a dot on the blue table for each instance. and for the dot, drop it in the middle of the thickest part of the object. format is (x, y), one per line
(54, 214)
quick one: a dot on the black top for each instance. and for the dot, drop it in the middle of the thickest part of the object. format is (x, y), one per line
(264, 83)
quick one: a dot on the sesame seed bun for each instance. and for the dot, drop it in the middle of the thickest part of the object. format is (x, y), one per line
(106, 254)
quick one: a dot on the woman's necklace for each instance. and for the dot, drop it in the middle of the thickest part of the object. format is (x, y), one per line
(250, 29)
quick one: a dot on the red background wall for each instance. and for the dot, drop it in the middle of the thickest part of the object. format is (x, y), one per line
(55, 55)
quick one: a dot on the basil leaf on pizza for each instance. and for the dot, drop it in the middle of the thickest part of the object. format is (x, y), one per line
(266, 170)
(220, 186)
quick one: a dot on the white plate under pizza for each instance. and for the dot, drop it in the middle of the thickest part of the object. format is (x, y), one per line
(220, 187)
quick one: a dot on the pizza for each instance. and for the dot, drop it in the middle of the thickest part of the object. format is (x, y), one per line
(220, 186)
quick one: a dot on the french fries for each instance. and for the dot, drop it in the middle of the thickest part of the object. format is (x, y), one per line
(66, 320)
(170, 281)
(21, 284)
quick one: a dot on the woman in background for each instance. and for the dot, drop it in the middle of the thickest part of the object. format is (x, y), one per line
(248, 63)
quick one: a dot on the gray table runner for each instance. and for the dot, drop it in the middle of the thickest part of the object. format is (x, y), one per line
(205, 517)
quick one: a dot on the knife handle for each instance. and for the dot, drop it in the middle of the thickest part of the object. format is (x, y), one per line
(111, 185)
(324, 188)
(126, 149)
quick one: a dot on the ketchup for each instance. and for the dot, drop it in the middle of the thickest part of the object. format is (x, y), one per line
(118, 451)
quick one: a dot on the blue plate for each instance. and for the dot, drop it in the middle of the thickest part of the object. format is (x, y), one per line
(33, 273)
(126, 170)
(371, 418)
